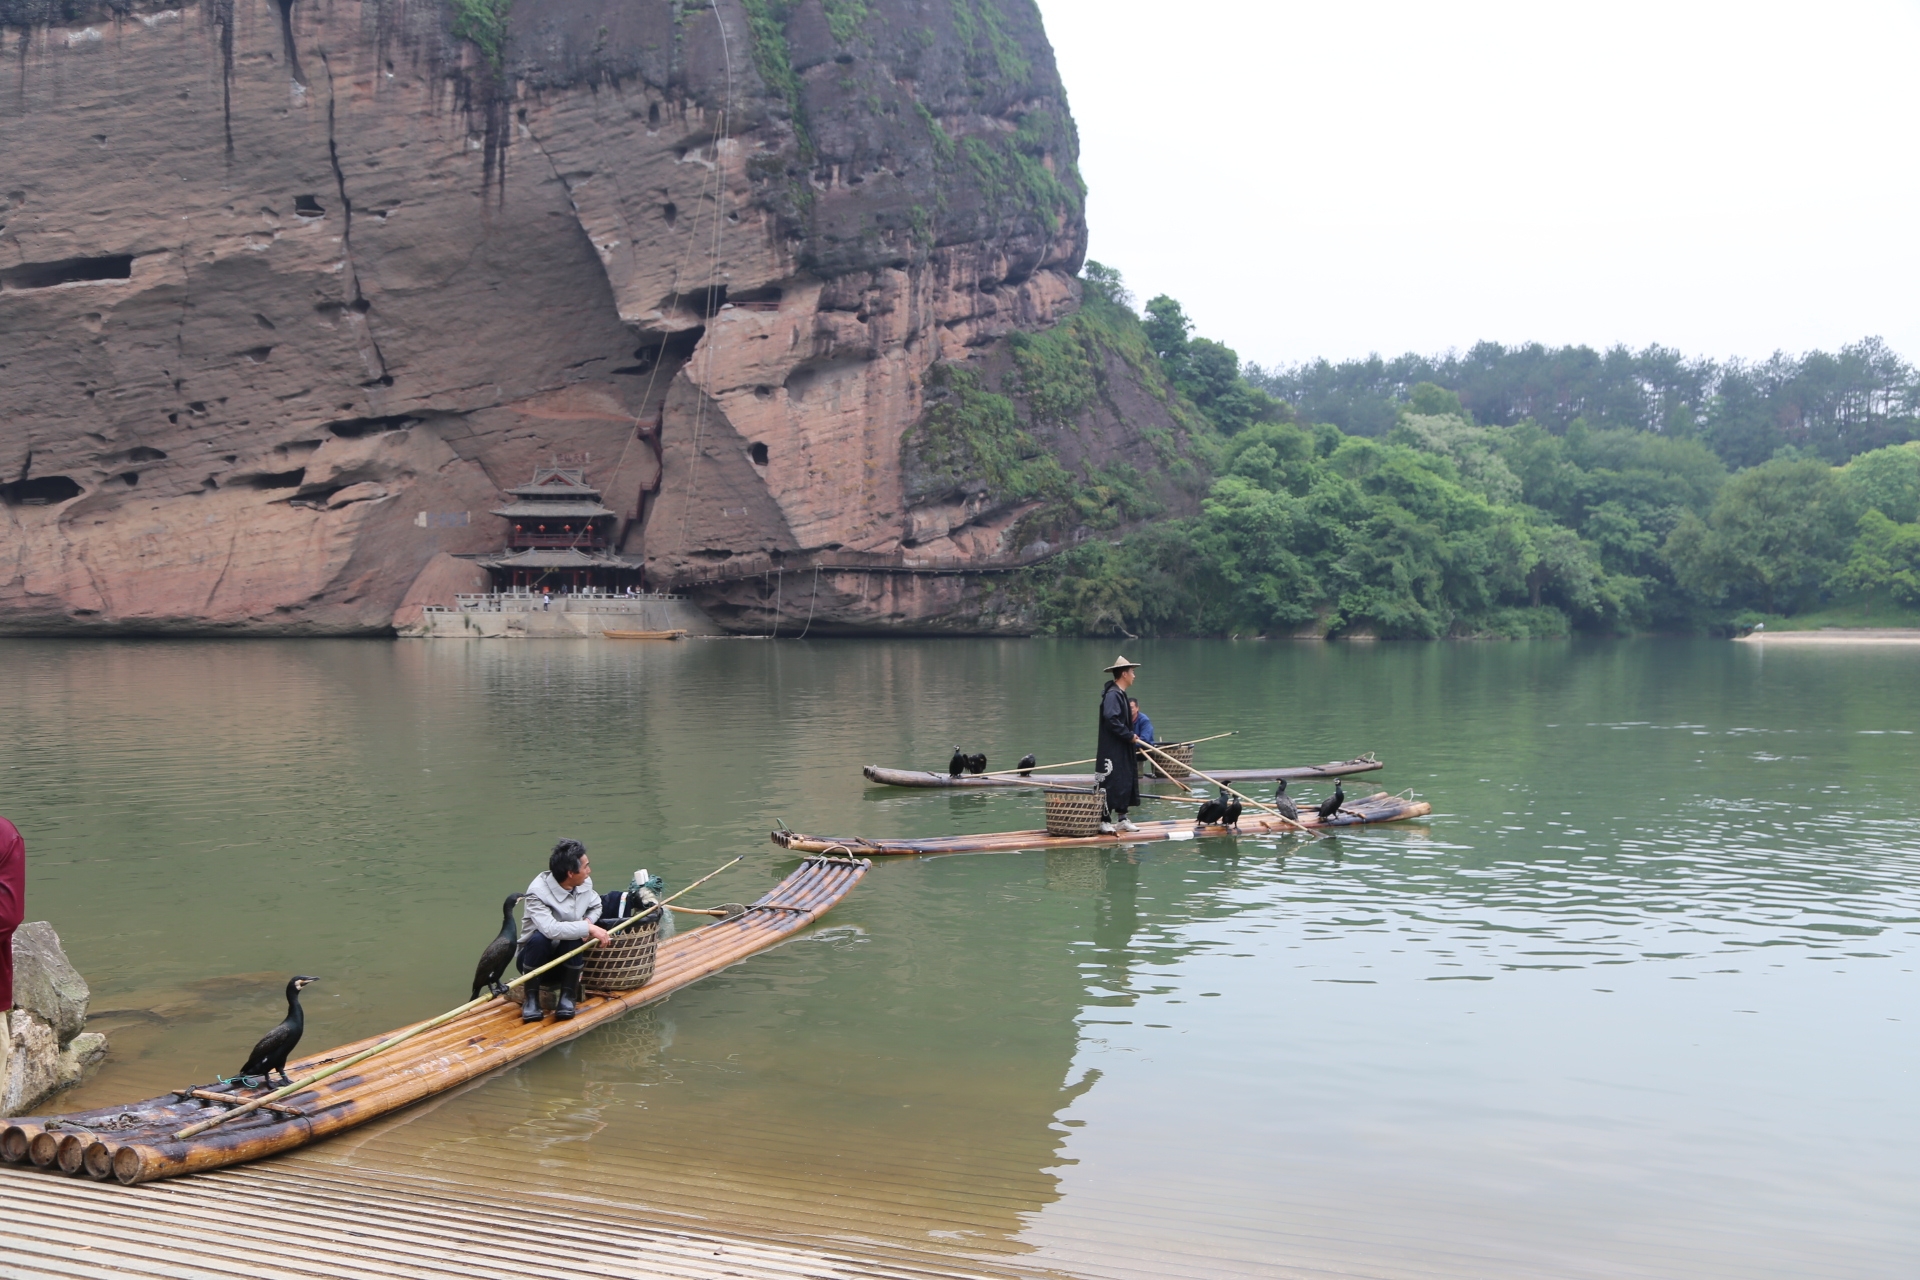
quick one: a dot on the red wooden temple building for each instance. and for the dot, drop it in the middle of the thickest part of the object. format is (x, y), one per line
(560, 538)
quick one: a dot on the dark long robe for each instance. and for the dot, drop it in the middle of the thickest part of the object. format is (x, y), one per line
(1116, 745)
(13, 902)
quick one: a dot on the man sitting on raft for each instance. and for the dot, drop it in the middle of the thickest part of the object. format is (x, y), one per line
(556, 916)
(1142, 727)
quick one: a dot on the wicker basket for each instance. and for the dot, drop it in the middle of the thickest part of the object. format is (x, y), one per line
(626, 961)
(1182, 757)
(1074, 813)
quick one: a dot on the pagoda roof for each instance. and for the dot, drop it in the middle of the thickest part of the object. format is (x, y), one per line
(551, 510)
(562, 558)
(557, 483)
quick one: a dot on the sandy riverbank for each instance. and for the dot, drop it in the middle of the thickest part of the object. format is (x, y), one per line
(1837, 635)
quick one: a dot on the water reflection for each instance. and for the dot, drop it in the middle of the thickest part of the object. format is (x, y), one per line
(1634, 998)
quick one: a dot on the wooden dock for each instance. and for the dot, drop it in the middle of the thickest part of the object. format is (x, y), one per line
(272, 1222)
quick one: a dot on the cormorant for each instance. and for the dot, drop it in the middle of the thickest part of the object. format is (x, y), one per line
(1232, 816)
(1284, 805)
(270, 1055)
(1027, 762)
(493, 961)
(977, 763)
(1331, 805)
(957, 765)
(1212, 811)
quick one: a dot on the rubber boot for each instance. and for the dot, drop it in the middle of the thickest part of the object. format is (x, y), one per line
(530, 1010)
(565, 1007)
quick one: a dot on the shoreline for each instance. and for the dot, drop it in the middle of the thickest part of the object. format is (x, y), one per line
(1835, 635)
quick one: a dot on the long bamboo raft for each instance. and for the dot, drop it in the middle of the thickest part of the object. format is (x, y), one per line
(884, 777)
(135, 1142)
(1378, 807)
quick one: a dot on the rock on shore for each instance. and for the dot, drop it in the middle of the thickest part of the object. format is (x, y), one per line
(46, 1046)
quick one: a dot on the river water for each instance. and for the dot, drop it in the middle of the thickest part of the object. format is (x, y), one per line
(1638, 998)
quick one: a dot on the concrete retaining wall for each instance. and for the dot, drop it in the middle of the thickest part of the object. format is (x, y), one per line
(566, 620)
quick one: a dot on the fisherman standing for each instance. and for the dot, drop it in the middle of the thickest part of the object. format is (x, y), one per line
(1117, 745)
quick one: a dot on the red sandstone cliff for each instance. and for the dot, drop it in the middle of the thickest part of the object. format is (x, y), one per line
(288, 285)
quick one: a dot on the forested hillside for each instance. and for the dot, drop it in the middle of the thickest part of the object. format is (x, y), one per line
(1515, 492)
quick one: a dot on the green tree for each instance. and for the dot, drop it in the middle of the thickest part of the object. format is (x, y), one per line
(1775, 535)
(1431, 400)
(1886, 480)
(1885, 557)
(1105, 282)
(1167, 330)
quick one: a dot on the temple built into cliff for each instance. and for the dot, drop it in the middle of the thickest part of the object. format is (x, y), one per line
(558, 539)
(557, 576)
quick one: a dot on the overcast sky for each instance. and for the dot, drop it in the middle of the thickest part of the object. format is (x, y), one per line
(1345, 176)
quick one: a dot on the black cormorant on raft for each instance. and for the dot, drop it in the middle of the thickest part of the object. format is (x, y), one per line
(1378, 807)
(136, 1142)
(494, 958)
(880, 776)
(270, 1055)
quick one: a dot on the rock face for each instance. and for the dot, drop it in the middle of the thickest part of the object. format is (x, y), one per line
(44, 1047)
(287, 287)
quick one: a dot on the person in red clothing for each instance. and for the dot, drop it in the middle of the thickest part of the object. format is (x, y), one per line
(13, 902)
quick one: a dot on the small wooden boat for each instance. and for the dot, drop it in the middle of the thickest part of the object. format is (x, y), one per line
(1378, 807)
(881, 777)
(611, 634)
(135, 1142)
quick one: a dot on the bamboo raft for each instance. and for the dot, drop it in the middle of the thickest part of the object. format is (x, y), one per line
(1378, 807)
(884, 777)
(136, 1142)
(612, 634)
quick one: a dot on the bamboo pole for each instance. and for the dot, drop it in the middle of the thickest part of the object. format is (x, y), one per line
(1002, 773)
(299, 1086)
(1194, 742)
(722, 912)
(1230, 791)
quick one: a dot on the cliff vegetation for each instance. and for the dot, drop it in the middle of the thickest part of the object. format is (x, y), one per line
(1079, 423)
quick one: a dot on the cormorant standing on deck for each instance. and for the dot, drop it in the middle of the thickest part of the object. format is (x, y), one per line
(957, 765)
(270, 1055)
(493, 961)
(1212, 811)
(1331, 805)
(1026, 765)
(1284, 805)
(1231, 817)
(977, 763)
(1117, 746)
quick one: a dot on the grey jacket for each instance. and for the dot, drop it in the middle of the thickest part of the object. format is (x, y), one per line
(562, 914)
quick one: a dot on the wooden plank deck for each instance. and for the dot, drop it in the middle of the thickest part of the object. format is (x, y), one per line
(271, 1222)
